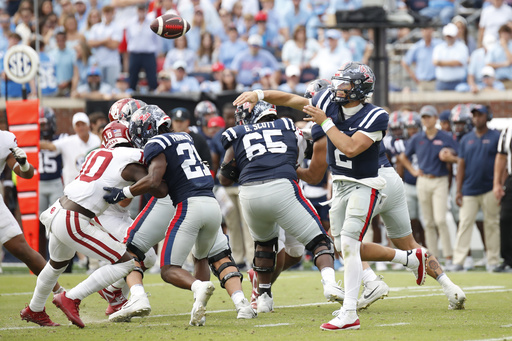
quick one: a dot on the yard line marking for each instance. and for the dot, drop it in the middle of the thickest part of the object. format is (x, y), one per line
(498, 339)
(17, 293)
(274, 325)
(507, 326)
(393, 324)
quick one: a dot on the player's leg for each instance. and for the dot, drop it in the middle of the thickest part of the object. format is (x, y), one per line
(491, 210)
(425, 197)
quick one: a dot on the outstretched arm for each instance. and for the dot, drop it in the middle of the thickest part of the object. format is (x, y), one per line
(17, 161)
(274, 97)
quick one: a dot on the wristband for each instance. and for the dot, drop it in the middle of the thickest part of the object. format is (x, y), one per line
(327, 124)
(260, 94)
(127, 193)
(25, 167)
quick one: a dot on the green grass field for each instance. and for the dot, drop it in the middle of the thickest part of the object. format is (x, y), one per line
(409, 313)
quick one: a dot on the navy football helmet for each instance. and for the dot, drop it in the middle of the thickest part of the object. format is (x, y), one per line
(116, 133)
(260, 110)
(47, 123)
(202, 109)
(396, 124)
(124, 108)
(460, 117)
(356, 80)
(315, 86)
(144, 124)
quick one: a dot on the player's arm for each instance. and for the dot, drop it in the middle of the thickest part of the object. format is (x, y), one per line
(404, 160)
(500, 164)
(448, 155)
(461, 170)
(316, 170)
(17, 161)
(274, 97)
(47, 145)
(228, 173)
(351, 146)
(151, 180)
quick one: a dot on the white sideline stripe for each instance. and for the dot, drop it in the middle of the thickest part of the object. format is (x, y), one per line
(506, 326)
(498, 339)
(393, 324)
(274, 325)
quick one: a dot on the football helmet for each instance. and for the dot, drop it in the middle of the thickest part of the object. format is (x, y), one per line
(460, 116)
(315, 86)
(260, 110)
(144, 124)
(47, 123)
(411, 119)
(124, 108)
(356, 80)
(116, 133)
(202, 109)
(396, 124)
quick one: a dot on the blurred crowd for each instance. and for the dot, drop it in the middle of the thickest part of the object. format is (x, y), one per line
(105, 49)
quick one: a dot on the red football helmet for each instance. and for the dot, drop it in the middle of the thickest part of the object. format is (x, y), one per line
(115, 133)
(124, 108)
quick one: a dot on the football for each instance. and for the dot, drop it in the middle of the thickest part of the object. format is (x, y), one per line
(170, 26)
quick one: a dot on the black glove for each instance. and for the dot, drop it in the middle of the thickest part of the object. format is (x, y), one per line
(230, 170)
(115, 195)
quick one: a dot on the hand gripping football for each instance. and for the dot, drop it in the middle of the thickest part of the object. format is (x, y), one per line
(170, 26)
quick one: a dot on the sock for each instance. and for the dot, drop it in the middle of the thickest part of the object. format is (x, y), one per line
(60, 290)
(101, 278)
(444, 280)
(237, 297)
(369, 275)
(328, 275)
(46, 280)
(195, 284)
(118, 285)
(353, 271)
(265, 288)
(400, 257)
(137, 289)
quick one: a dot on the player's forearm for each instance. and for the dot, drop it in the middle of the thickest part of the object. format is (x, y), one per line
(404, 160)
(499, 169)
(460, 175)
(285, 99)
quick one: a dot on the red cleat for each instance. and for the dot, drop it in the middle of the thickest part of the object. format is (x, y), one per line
(70, 308)
(39, 317)
(344, 320)
(114, 298)
(253, 277)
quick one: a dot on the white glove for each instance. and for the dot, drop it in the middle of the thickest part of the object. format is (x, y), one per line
(21, 157)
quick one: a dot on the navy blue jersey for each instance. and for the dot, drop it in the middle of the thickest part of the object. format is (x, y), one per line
(369, 119)
(394, 147)
(264, 151)
(50, 164)
(186, 176)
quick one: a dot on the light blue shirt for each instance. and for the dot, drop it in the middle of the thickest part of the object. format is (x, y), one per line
(103, 54)
(228, 50)
(290, 19)
(64, 62)
(356, 45)
(421, 55)
(458, 51)
(497, 55)
(187, 84)
(344, 5)
(47, 79)
(247, 65)
(477, 63)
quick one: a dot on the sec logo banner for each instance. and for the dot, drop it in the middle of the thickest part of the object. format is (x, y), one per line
(21, 63)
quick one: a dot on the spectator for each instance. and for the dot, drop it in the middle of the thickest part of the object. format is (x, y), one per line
(489, 82)
(182, 82)
(330, 58)
(186, 9)
(25, 28)
(492, 18)
(432, 179)
(122, 89)
(293, 84)
(450, 59)
(47, 29)
(273, 17)
(97, 120)
(204, 59)
(344, 5)
(231, 47)
(66, 68)
(500, 56)
(95, 88)
(45, 8)
(93, 18)
(360, 48)
(5, 30)
(251, 59)
(292, 18)
(81, 12)
(47, 79)
(300, 50)
(67, 9)
(317, 19)
(463, 34)
(24, 4)
(73, 37)
(214, 86)
(180, 52)
(104, 40)
(270, 38)
(476, 66)
(143, 46)
(228, 81)
(442, 9)
(420, 55)
(265, 81)
(164, 83)
(10, 88)
(83, 61)
(477, 154)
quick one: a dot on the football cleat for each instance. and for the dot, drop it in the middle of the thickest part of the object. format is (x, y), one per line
(201, 296)
(344, 320)
(373, 290)
(253, 277)
(70, 308)
(137, 305)
(333, 293)
(456, 297)
(265, 303)
(114, 298)
(417, 262)
(244, 310)
(39, 317)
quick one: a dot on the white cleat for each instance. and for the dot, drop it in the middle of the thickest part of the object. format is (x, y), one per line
(333, 292)
(265, 303)
(201, 296)
(244, 310)
(344, 320)
(456, 297)
(372, 291)
(417, 262)
(137, 305)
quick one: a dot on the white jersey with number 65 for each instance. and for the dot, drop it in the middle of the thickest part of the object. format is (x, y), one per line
(102, 168)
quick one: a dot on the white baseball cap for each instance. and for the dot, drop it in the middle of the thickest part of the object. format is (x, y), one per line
(450, 30)
(80, 117)
(488, 71)
(292, 70)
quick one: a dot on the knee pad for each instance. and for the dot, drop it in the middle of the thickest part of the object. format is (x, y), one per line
(295, 251)
(321, 245)
(136, 251)
(265, 250)
(231, 262)
(150, 259)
